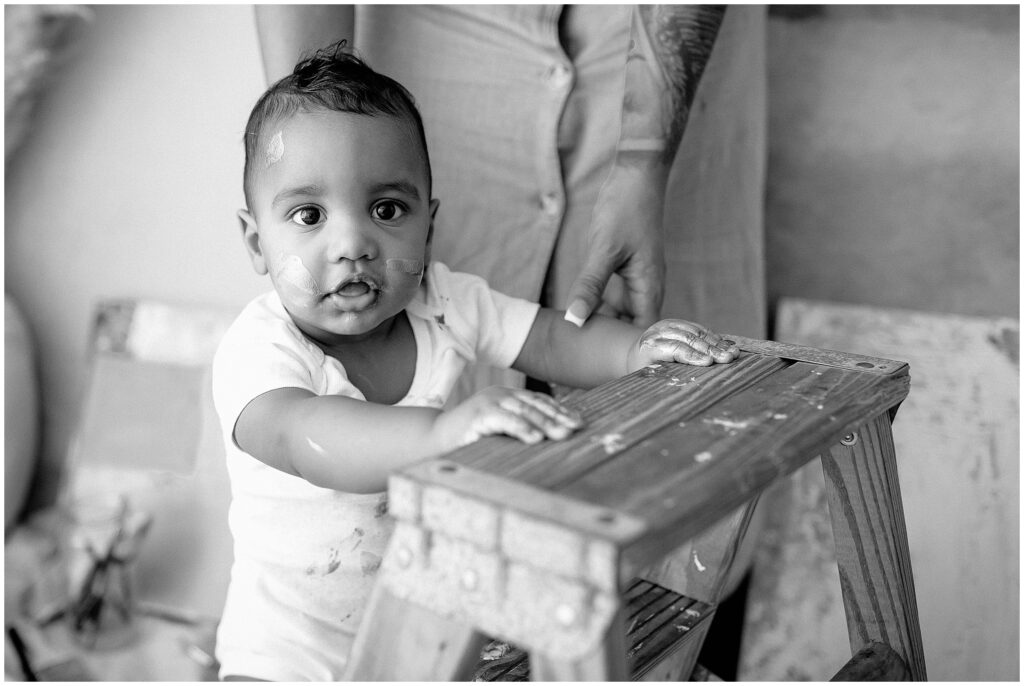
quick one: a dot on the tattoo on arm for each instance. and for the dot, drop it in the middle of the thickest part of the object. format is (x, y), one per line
(681, 37)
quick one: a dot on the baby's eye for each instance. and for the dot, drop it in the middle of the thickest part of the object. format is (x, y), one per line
(307, 216)
(388, 211)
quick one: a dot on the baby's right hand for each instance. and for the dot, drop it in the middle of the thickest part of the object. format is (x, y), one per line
(514, 412)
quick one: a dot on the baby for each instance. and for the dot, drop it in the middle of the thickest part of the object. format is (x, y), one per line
(340, 375)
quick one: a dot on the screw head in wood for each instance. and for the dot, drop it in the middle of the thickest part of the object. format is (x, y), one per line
(849, 439)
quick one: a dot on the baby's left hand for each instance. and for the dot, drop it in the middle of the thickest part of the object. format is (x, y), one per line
(676, 340)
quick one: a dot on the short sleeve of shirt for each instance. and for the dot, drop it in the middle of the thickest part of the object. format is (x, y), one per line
(260, 352)
(492, 325)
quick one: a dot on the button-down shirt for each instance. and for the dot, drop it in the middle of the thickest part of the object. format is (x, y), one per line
(522, 107)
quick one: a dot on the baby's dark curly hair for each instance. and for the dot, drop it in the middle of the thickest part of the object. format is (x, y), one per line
(335, 79)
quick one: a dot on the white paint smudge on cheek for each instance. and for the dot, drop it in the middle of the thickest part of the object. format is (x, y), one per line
(412, 266)
(291, 271)
(275, 149)
(702, 457)
(696, 562)
(315, 446)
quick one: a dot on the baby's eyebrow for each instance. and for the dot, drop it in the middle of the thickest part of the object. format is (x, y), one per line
(401, 186)
(298, 191)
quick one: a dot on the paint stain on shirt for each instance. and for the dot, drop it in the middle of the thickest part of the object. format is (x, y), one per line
(333, 562)
(357, 533)
(369, 562)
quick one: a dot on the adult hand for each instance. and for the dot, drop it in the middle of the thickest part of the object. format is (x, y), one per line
(627, 239)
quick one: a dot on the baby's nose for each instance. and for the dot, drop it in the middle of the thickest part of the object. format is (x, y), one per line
(350, 240)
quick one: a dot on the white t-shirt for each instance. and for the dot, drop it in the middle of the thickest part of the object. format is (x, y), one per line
(306, 557)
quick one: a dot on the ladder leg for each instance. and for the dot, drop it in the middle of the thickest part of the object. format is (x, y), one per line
(606, 662)
(402, 641)
(871, 543)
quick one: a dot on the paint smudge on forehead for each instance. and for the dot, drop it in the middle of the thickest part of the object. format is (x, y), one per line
(292, 272)
(413, 266)
(275, 149)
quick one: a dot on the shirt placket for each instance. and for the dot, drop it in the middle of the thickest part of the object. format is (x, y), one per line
(557, 76)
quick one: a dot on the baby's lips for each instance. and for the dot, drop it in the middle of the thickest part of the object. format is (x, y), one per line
(354, 288)
(353, 282)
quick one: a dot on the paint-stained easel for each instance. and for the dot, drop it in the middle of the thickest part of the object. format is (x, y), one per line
(543, 546)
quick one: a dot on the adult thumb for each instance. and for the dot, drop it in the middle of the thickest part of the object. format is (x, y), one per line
(586, 291)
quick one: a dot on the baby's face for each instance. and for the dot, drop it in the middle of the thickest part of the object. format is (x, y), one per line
(341, 220)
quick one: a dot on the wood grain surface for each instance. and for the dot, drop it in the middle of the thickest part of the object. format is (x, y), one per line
(664, 632)
(400, 641)
(619, 415)
(822, 356)
(874, 662)
(668, 452)
(693, 473)
(871, 544)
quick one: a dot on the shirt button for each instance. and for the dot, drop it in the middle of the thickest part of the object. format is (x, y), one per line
(550, 203)
(559, 76)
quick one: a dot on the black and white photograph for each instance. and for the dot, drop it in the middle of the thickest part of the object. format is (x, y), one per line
(512, 342)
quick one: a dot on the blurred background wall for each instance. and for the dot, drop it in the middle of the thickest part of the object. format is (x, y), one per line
(894, 159)
(127, 184)
(893, 185)
(893, 175)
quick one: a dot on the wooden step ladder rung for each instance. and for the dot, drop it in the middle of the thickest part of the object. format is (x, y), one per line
(659, 622)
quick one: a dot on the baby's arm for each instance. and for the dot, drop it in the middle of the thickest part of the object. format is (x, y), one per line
(604, 348)
(353, 445)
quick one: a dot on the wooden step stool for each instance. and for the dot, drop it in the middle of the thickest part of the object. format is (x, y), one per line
(536, 545)
(660, 623)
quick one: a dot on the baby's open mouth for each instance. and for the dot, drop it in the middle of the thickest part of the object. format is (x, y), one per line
(355, 293)
(353, 289)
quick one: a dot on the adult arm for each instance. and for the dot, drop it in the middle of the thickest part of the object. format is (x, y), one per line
(287, 32)
(668, 50)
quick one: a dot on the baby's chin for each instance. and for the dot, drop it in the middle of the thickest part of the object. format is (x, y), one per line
(353, 326)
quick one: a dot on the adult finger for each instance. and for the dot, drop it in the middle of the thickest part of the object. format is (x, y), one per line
(585, 292)
(646, 287)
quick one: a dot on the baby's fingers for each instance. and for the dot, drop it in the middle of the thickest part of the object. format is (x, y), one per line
(502, 421)
(676, 350)
(689, 343)
(544, 413)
